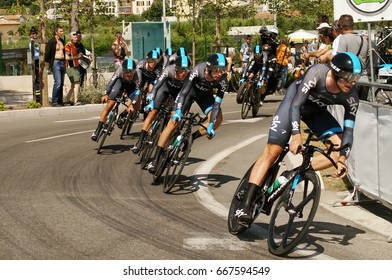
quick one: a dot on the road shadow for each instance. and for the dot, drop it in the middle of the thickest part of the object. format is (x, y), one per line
(186, 185)
(311, 246)
(114, 149)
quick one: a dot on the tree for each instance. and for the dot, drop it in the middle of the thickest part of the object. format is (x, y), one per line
(155, 12)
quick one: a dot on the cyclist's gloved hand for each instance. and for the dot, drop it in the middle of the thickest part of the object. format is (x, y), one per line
(210, 130)
(150, 106)
(177, 115)
(149, 97)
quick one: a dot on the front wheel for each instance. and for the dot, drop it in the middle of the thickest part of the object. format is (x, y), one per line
(246, 104)
(293, 214)
(127, 126)
(232, 222)
(107, 130)
(151, 142)
(176, 164)
(255, 102)
(240, 93)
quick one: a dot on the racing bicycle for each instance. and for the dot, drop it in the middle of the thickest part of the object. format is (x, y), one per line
(155, 130)
(110, 123)
(175, 156)
(297, 198)
(252, 91)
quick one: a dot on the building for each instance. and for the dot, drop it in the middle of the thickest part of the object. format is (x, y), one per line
(9, 25)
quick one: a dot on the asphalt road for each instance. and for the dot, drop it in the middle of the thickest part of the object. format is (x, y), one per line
(59, 199)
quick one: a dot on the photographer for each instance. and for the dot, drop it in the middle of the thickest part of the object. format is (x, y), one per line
(269, 37)
(120, 50)
(246, 51)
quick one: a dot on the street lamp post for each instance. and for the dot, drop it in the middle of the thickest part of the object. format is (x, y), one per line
(164, 22)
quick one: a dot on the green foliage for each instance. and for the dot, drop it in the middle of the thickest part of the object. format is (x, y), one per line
(155, 12)
(91, 95)
(33, 105)
(2, 106)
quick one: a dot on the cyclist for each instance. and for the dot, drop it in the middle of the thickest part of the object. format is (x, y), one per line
(180, 52)
(166, 56)
(122, 81)
(202, 79)
(269, 80)
(170, 82)
(307, 100)
(148, 70)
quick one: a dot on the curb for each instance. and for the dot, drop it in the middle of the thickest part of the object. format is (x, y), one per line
(50, 111)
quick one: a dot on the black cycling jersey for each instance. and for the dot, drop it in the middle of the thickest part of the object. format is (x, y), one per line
(255, 65)
(146, 76)
(166, 84)
(197, 88)
(308, 99)
(118, 85)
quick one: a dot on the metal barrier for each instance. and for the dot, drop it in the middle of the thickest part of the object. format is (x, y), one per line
(370, 167)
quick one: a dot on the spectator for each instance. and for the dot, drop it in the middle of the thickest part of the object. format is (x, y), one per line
(120, 50)
(72, 68)
(55, 56)
(84, 62)
(283, 54)
(246, 50)
(230, 63)
(336, 33)
(350, 41)
(34, 49)
(304, 50)
(326, 38)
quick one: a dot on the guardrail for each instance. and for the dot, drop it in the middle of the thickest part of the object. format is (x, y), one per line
(369, 162)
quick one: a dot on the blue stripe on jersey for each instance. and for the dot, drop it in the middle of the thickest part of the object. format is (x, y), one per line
(332, 131)
(357, 68)
(221, 59)
(349, 123)
(218, 99)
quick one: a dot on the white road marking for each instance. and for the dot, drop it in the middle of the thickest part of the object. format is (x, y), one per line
(58, 136)
(203, 194)
(252, 120)
(69, 134)
(78, 120)
(205, 243)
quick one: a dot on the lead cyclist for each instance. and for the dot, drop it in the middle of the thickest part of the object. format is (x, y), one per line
(307, 99)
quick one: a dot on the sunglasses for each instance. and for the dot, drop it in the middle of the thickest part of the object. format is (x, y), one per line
(350, 78)
(151, 60)
(216, 69)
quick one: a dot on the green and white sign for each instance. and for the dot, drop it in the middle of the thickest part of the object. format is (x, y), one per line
(364, 10)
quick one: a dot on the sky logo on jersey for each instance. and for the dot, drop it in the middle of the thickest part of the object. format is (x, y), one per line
(295, 126)
(353, 105)
(309, 85)
(275, 123)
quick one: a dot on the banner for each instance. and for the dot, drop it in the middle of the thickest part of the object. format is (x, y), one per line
(364, 10)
